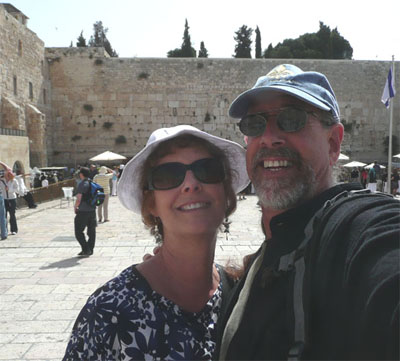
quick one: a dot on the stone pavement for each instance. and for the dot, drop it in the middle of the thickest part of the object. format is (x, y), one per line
(43, 285)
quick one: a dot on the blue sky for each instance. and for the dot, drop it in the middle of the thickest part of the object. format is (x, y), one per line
(150, 28)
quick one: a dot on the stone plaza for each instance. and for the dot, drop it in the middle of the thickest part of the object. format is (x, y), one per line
(43, 284)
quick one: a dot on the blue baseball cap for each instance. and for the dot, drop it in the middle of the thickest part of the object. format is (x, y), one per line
(309, 86)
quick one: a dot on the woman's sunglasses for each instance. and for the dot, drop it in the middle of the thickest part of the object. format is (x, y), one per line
(288, 119)
(171, 175)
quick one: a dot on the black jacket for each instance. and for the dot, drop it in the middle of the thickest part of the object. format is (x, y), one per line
(354, 288)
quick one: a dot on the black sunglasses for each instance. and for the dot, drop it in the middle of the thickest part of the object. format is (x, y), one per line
(289, 120)
(171, 175)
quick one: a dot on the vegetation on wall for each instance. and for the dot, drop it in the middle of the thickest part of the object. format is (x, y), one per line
(76, 137)
(107, 125)
(88, 107)
(120, 139)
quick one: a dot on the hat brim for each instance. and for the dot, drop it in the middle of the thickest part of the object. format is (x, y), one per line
(241, 104)
(128, 189)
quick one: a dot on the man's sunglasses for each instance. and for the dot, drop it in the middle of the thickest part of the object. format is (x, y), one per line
(171, 175)
(289, 120)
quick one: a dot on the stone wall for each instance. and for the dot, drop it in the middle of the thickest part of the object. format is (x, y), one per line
(101, 103)
(24, 83)
(15, 149)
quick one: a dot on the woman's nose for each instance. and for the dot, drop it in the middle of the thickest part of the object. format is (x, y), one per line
(190, 183)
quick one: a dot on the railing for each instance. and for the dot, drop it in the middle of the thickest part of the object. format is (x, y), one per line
(53, 191)
(15, 132)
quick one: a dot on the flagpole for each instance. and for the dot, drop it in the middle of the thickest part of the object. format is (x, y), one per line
(389, 172)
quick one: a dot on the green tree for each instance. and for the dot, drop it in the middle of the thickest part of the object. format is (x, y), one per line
(258, 43)
(324, 44)
(81, 41)
(186, 50)
(99, 38)
(203, 53)
(243, 42)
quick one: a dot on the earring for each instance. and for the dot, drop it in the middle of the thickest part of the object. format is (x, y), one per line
(156, 232)
(226, 224)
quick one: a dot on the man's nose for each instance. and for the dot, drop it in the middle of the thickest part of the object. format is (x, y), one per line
(273, 136)
(191, 183)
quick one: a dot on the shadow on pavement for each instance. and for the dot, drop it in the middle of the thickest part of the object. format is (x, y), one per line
(66, 263)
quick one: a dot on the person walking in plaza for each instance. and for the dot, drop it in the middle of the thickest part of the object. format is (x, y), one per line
(23, 191)
(325, 283)
(103, 179)
(85, 215)
(184, 184)
(114, 182)
(3, 219)
(9, 188)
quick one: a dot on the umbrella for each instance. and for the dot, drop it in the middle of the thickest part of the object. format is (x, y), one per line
(369, 166)
(343, 156)
(354, 164)
(397, 155)
(107, 156)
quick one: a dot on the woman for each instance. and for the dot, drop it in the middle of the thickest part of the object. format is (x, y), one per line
(183, 183)
(10, 189)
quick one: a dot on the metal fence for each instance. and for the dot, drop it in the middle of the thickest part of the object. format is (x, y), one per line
(43, 194)
(15, 132)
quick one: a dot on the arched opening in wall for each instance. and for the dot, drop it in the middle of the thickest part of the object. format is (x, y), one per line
(18, 168)
(19, 47)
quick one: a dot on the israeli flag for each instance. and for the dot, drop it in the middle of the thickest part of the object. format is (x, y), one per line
(388, 91)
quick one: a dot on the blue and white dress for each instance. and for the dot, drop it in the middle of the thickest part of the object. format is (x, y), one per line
(126, 320)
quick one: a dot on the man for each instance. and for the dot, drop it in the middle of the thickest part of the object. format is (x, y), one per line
(85, 215)
(350, 291)
(93, 171)
(23, 191)
(103, 179)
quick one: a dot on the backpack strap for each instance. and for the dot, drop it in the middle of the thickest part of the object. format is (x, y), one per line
(325, 221)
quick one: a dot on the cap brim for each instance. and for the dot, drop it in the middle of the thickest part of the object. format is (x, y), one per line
(131, 195)
(241, 104)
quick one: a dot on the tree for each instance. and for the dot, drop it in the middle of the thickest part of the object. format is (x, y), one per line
(81, 41)
(99, 38)
(243, 42)
(258, 43)
(203, 53)
(324, 44)
(186, 50)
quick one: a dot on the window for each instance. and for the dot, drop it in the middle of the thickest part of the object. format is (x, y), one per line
(44, 96)
(30, 91)
(19, 47)
(15, 84)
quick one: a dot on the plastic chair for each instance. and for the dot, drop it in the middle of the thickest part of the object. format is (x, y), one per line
(68, 195)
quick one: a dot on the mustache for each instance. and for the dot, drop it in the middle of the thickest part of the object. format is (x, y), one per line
(291, 154)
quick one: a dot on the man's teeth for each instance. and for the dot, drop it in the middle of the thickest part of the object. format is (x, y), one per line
(275, 163)
(193, 206)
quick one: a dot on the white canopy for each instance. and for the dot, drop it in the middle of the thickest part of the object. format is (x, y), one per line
(354, 164)
(343, 156)
(369, 166)
(107, 156)
(397, 155)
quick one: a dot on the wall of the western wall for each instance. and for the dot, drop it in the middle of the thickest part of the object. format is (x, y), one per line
(102, 103)
(25, 93)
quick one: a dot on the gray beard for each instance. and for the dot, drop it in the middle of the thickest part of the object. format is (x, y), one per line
(284, 193)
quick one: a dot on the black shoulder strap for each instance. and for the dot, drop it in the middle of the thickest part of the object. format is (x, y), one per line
(326, 221)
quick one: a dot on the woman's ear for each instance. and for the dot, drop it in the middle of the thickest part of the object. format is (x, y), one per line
(150, 203)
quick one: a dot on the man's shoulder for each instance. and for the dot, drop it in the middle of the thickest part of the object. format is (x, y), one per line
(83, 186)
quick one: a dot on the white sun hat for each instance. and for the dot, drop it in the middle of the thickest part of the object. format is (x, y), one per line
(131, 195)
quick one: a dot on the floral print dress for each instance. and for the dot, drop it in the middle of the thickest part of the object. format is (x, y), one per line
(126, 320)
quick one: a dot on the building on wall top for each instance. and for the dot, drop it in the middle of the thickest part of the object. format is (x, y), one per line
(19, 15)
